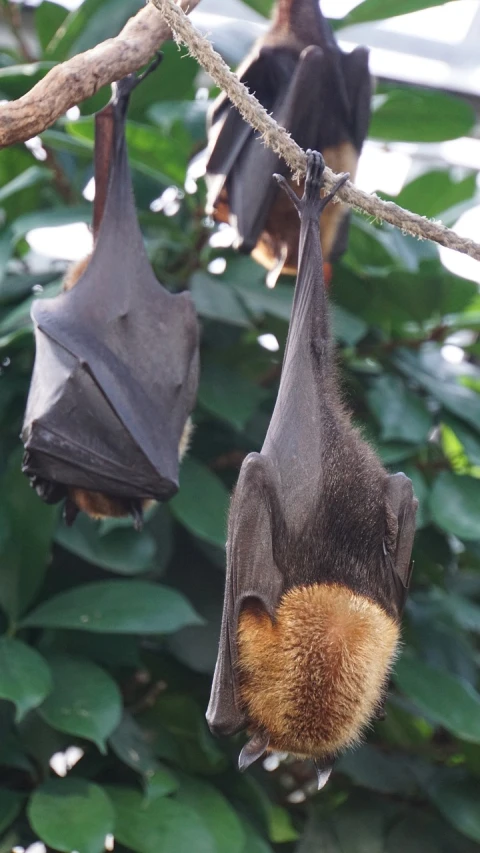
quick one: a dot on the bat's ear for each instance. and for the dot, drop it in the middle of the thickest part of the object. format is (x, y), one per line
(253, 750)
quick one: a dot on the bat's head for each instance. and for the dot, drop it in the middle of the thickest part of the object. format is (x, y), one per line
(314, 679)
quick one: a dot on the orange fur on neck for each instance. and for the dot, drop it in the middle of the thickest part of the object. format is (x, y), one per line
(315, 677)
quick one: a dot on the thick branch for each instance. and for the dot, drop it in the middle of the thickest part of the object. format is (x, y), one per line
(80, 77)
(281, 142)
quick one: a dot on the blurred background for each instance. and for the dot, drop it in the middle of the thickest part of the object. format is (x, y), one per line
(103, 741)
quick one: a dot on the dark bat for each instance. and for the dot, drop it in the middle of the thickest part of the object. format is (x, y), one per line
(318, 93)
(318, 552)
(116, 367)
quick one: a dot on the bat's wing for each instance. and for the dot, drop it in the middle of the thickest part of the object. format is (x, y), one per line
(266, 74)
(358, 85)
(401, 510)
(252, 573)
(118, 345)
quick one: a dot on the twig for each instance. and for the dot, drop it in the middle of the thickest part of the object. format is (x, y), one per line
(80, 77)
(281, 142)
(14, 19)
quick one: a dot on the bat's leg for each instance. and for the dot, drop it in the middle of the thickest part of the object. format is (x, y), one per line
(136, 511)
(313, 184)
(70, 512)
(253, 750)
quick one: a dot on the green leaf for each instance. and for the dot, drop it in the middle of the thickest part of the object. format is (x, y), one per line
(71, 814)
(16, 80)
(401, 413)
(11, 804)
(24, 676)
(48, 19)
(216, 812)
(263, 7)
(162, 826)
(444, 699)
(458, 399)
(434, 192)
(160, 783)
(228, 395)
(198, 751)
(454, 503)
(215, 300)
(28, 178)
(27, 525)
(374, 10)
(122, 550)
(420, 115)
(132, 746)
(457, 800)
(347, 328)
(116, 607)
(371, 768)
(85, 701)
(205, 517)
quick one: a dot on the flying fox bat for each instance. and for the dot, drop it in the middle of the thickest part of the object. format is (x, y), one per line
(116, 366)
(322, 97)
(318, 551)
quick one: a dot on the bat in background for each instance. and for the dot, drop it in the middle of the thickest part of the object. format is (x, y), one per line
(322, 97)
(116, 366)
(318, 553)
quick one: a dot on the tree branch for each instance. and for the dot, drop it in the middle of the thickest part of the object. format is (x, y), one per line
(281, 142)
(80, 77)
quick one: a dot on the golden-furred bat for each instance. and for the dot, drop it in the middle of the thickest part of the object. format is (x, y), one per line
(322, 97)
(318, 552)
(116, 366)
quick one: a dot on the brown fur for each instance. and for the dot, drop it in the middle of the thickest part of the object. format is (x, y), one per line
(74, 272)
(315, 677)
(282, 225)
(96, 504)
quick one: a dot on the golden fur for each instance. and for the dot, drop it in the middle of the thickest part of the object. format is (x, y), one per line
(282, 224)
(96, 504)
(314, 679)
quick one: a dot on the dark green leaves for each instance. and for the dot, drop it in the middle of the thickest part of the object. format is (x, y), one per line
(443, 698)
(420, 116)
(161, 826)
(133, 607)
(121, 550)
(202, 503)
(454, 504)
(71, 814)
(84, 701)
(401, 414)
(374, 10)
(24, 676)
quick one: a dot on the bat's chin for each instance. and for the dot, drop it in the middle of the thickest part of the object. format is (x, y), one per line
(315, 678)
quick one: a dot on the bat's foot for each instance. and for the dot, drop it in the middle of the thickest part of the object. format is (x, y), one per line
(70, 512)
(313, 183)
(136, 511)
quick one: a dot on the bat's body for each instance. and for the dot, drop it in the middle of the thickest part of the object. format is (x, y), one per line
(318, 555)
(116, 366)
(318, 93)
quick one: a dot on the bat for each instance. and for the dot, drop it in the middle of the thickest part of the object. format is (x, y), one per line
(116, 366)
(318, 552)
(322, 97)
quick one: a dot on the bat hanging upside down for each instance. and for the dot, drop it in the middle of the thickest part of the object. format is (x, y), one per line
(322, 97)
(318, 553)
(116, 367)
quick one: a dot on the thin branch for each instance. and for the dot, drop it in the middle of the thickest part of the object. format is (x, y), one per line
(281, 142)
(79, 78)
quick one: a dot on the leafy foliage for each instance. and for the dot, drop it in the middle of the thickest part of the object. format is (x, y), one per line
(107, 637)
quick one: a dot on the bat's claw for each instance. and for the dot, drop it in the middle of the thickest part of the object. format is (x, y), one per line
(323, 772)
(136, 511)
(252, 751)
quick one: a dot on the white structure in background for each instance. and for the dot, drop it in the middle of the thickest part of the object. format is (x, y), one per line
(436, 47)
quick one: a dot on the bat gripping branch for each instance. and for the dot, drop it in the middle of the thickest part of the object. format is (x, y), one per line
(313, 184)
